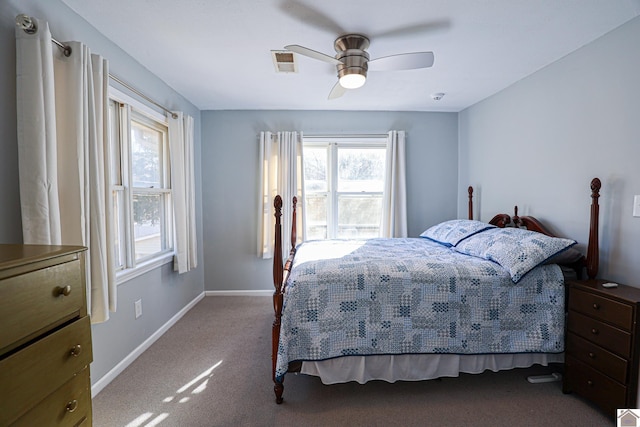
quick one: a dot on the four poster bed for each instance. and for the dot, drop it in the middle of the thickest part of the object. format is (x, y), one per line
(465, 296)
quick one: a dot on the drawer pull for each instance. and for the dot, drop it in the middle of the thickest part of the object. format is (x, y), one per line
(591, 354)
(594, 331)
(72, 405)
(76, 350)
(62, 291)
(596, 306)
(590, 383)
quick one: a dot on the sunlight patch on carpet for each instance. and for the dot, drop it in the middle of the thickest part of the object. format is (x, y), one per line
(196, 386)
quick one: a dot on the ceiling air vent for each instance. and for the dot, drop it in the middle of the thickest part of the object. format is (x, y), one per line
(284, 61)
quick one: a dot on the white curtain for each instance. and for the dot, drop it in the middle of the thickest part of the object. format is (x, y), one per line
(183, 191)
(64, 157)
(394, 200)
(36, 124)
(281, 173)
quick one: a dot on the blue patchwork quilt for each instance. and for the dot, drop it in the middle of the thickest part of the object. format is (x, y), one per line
(398, 296)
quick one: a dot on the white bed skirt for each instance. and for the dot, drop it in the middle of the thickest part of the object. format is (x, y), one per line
(417, 367)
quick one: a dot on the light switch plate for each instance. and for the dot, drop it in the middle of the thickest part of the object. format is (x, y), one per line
(636, 205)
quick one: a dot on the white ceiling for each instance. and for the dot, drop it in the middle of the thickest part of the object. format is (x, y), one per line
(217, 53)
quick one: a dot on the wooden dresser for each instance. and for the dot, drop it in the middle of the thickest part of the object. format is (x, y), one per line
(602, 344)
(45, 337)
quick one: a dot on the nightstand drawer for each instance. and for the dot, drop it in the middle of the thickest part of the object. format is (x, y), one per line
(35, 302)
(613, 339)
(595, 356)
(595, 386)
(599, 307)
(69, 405)
(31, 374)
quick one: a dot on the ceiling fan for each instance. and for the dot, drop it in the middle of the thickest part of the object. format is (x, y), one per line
(352, 61)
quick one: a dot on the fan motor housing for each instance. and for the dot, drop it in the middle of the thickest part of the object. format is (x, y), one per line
(350, 50)
(354, 61)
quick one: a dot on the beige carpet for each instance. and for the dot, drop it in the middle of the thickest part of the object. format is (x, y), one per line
(213, 368)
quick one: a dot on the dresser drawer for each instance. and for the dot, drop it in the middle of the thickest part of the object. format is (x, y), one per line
(595, 356)
(32, 303)
(32, 373)
(70, 405)
(595, 386)
(613, 339)
(599, 307)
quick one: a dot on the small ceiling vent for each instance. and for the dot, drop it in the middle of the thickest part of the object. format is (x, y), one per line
(284, 61)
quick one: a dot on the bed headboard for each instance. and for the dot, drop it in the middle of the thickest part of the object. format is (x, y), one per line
(592, 258)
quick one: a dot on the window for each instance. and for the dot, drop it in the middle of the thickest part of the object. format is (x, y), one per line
(344, 183)
(141, 191)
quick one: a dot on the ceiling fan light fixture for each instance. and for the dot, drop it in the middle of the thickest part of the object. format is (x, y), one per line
(352, 81)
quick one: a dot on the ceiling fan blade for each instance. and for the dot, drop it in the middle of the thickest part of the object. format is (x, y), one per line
(312, 54)
(337, 91)
(412, 30)
(402, 61)
(308, 15)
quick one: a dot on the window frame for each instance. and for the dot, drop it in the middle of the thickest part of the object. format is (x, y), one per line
(333, 144)
(128, 110)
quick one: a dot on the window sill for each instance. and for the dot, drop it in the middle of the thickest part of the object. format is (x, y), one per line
(142, 268)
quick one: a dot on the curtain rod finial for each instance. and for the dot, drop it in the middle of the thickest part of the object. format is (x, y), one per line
(26, 23)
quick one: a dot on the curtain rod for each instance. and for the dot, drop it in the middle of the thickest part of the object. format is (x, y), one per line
(346, 135)
(137, 92)
(29, 26)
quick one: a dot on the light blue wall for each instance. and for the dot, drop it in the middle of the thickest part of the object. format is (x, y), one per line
(230, 179)
(538, 143)
(163, 292)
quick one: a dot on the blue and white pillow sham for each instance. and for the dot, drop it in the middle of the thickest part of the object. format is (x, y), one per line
(450, 233)
(517, 250)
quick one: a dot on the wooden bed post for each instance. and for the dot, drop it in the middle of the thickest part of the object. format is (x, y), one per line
(515, 218)
(294, 232)
(277, 249)
(470, 190)
(278, 387)
(280, 274)
(593, 257)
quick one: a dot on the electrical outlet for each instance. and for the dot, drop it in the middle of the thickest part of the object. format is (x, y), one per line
(138, 307)
(636, 205)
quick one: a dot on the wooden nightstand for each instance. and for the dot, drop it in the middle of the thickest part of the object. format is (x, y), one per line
(602, 344)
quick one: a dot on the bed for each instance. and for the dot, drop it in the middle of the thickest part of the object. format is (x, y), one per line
(465, 296)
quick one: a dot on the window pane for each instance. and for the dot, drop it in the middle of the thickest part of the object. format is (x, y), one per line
(146, 160)
(361, 169)
(359, 216)
(114, 143)
(315, 169)
(316, 218)
(147, 224)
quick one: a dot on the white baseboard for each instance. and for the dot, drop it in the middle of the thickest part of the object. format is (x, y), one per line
(257, 293)
(124, 363)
